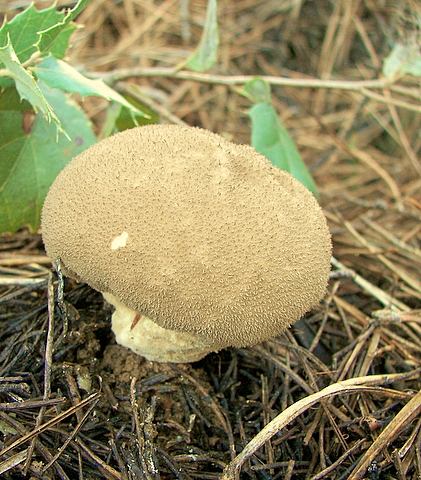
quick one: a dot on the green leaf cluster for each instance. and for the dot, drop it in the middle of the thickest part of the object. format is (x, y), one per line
(42, 129)
(31, 154)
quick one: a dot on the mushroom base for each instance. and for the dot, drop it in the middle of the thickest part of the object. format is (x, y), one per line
(157, 344)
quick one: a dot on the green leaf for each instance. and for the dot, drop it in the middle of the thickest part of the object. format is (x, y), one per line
(58, 74)
(10, 101)
(108, 126)
(25, 84)
(23, 30)
(31, 156)
(120, 118)
(5, 82)
(55, 39)
(206, 53)
(125, 118)
(46, 31)
(77, 9)
(270, 138)
(403, 59)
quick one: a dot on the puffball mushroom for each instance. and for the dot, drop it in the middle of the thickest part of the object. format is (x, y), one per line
(200, 244)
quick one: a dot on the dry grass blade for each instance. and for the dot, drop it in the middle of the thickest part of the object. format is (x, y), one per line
(108, 472)
(334, 466)
(72, 435)
(402, 420)
(345, 387)
(13, 461)
(16, 259)
(410, 280)
(29, 404)
(373, 290)
(50, 423)
(34, 282)
(206, 395)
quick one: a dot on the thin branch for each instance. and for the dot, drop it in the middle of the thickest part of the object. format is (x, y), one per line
(234, 80)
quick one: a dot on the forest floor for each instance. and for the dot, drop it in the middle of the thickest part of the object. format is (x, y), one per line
(342, 398)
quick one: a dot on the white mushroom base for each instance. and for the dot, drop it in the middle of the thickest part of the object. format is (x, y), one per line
(153, 342)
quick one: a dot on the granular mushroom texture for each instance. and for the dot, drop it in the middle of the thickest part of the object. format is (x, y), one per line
(196, 234)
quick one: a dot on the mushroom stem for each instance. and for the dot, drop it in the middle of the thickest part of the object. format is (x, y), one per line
(140, 334)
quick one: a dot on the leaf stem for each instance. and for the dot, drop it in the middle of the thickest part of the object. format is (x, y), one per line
(32, 59)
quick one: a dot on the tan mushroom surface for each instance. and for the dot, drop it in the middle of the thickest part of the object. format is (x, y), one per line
(199, 243)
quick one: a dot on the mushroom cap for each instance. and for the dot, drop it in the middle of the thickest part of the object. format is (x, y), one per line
(196, 233)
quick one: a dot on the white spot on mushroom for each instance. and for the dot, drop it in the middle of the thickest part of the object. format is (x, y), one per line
(119, 241)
